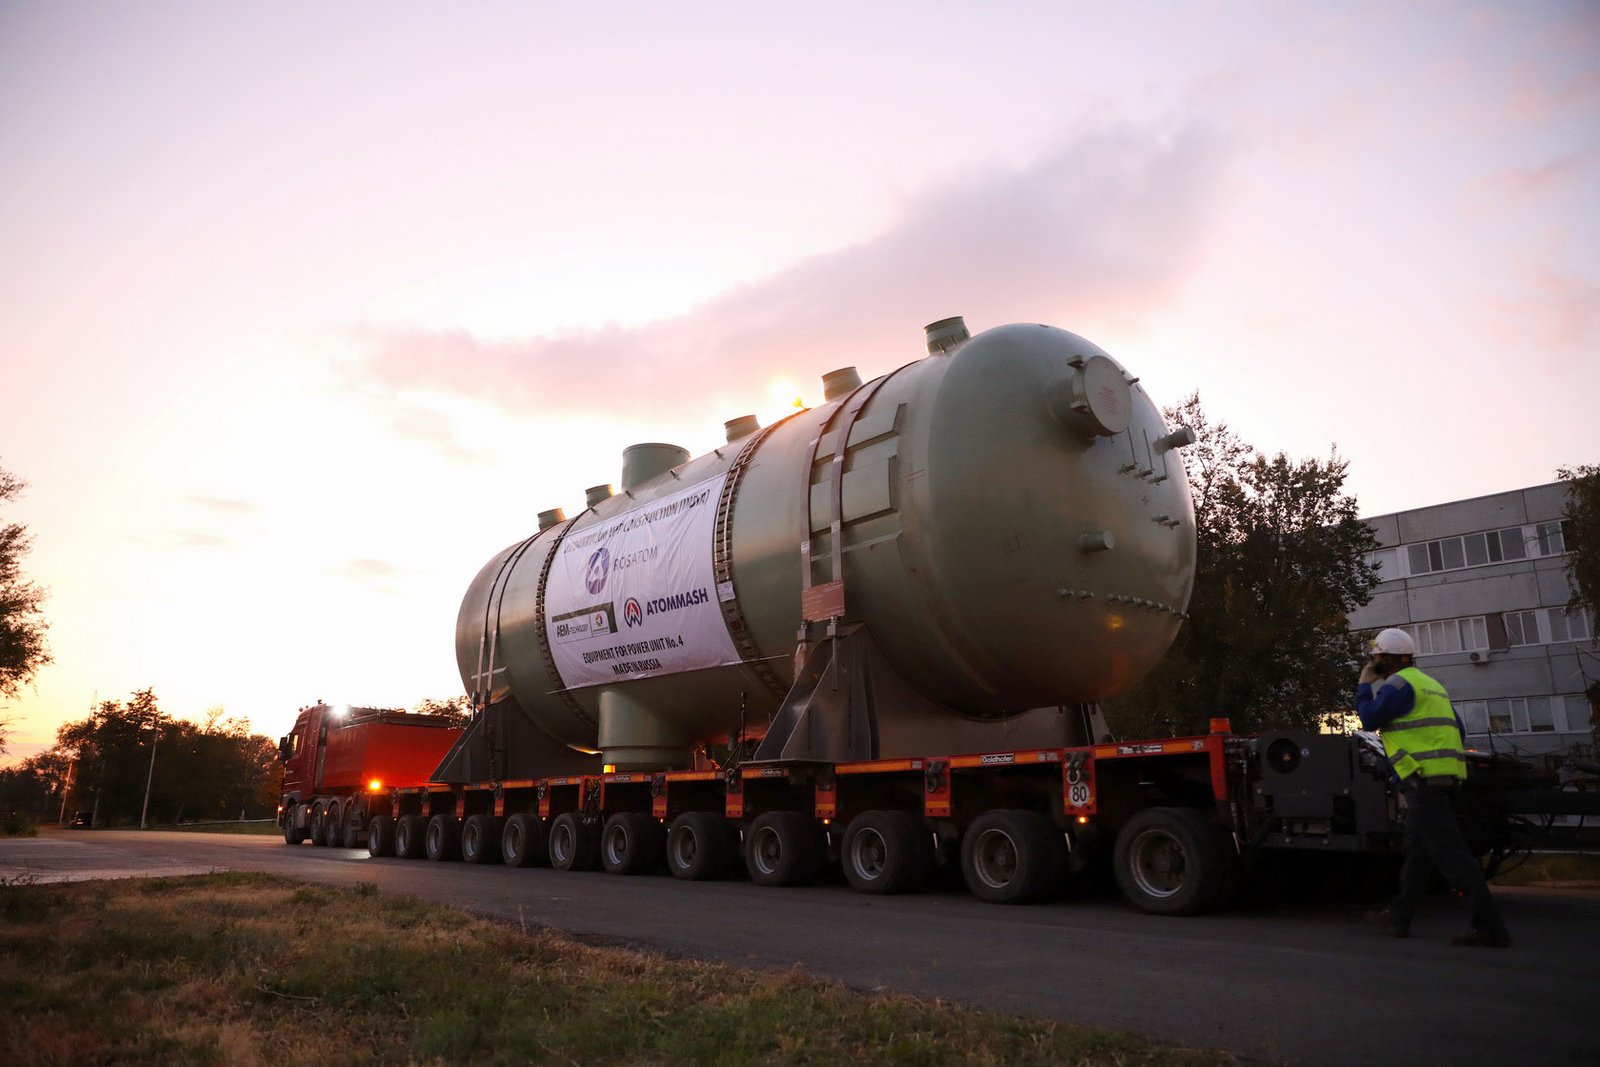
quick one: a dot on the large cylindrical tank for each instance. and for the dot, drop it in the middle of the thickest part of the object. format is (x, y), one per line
(1007, 515)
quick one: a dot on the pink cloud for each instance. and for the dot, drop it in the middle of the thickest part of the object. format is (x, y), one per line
(1097, 233)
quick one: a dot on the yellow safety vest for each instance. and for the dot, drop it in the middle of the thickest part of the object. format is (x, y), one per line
(1427, 739)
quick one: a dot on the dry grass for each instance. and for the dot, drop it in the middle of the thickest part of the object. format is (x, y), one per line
(244, 969)
(1578, 870)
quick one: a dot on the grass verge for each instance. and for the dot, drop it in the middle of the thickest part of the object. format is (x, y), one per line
(249, 969)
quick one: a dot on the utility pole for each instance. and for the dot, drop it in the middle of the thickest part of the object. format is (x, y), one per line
(155, 735)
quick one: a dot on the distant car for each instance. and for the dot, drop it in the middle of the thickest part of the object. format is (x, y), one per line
(79, 821)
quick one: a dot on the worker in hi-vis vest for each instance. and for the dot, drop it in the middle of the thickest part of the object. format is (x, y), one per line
(1426, 745)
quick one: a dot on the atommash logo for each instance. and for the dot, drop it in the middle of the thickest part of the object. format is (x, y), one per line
(632, 613)
(598, 570)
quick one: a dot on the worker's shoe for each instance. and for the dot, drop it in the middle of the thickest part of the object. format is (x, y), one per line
(1386, 921)
(1483, 939)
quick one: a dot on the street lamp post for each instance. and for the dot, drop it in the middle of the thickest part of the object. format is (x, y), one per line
(155, 735)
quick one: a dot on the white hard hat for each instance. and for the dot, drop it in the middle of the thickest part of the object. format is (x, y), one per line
(1394, 642)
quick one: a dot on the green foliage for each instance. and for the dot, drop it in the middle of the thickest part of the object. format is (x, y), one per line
(212, 770)
(1280, 564)
(22, 627)
(1581, 530)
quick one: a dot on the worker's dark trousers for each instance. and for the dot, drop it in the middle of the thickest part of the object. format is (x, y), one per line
(1434, 841)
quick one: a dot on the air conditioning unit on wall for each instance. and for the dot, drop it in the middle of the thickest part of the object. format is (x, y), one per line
(1479, 656)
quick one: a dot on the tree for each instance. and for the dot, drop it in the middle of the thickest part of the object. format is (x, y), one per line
(1581, 529)
(1280, 563)
(22, 628)
(452, 708)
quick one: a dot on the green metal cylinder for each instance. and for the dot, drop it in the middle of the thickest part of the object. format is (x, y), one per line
(1007, 515)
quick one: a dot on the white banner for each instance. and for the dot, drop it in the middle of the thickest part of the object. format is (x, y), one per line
(634, 596)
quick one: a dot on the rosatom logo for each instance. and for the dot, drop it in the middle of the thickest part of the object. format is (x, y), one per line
(632, 613)
(599, 569)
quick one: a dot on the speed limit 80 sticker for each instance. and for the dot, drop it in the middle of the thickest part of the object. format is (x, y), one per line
(1077, 784)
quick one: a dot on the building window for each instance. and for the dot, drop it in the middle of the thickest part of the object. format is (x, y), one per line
(1546, 626)
(1518, 715)
(1449, 635)
(1387, 560)
(1473, 550)
(1579, 713)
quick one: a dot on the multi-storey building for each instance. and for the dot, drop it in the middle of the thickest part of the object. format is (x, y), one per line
(1481, 585)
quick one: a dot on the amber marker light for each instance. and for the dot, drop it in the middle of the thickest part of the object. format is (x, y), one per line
(374, 785)
(1083, 820)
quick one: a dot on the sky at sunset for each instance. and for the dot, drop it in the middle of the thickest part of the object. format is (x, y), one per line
(308, 309)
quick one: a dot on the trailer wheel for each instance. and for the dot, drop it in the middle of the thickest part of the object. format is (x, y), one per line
(480, 839)
(332, 830)
(886, 852)
(1169, 861)
(408, 837)
(699, 847)
(292, 834)
(574, 846)
(380, 836)
(350, 831)
(1012, 856)
(784, 848)
(524, 842)
(443, 841)
(630, 843)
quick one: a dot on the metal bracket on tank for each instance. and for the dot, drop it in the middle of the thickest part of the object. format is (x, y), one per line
(831, 712)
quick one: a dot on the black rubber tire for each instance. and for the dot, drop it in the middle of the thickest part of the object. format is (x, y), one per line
(784, 848)
(314, 825)
(1169, 861)
(1012, 856)
(443, 840)
(292, 834)
(573, 844)
(886, 852)
(410, 835)
(350, 827)
(480, 839)
(380, 836)
(631, 842)
(700, 847)
(332, 825)
(524, 842)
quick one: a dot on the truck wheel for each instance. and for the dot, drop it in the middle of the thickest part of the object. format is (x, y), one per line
(573, 845)
(319, 831)
(332, 828)
(784, 848)
(1012, 856)
(350, 830)
(480, 839)
(444, 838)
(523, 842)
(699, 847)
(886, 852)
(1169, 861)
(292, 834)
(380, 836)
(630, 843)
(408, 837)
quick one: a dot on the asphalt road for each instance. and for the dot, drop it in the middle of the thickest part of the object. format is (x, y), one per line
(1304, 985)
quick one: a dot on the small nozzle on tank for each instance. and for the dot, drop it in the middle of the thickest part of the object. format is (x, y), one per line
(642, 462)
(553, 517)
(1099, 541)
(841, 382)
(945, 334)
(596, 493)
(743, 426)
